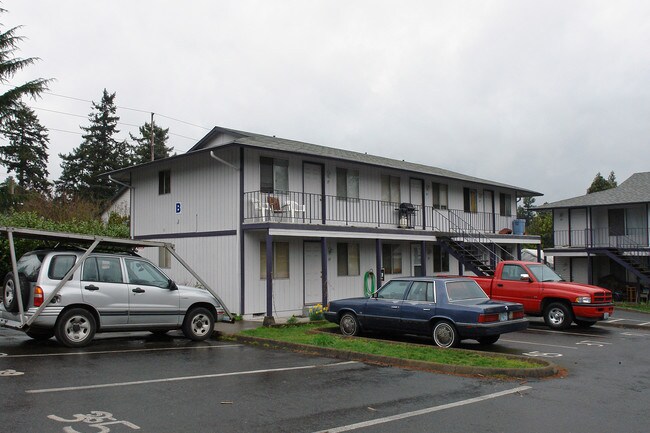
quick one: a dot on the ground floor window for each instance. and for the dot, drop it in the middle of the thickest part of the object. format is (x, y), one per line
(440, 259)
(347, 259)
(280, 260)
(391, 257)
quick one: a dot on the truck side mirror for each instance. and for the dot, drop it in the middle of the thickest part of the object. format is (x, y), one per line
(525, 277)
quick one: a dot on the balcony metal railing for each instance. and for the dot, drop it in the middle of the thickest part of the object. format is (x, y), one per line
(311, 208)
(634, 238)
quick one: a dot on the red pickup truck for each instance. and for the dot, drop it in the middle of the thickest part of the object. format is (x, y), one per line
(545, 293)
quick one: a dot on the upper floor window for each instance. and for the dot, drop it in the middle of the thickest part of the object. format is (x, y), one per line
(616, 222)
(505, 204)
(390, 188)
(274, 174)
(347, 183)
(470, 200)
(440, 197)
(164, 182)
(347, 259)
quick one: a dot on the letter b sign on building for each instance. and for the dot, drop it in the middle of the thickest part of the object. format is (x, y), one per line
(178, 207)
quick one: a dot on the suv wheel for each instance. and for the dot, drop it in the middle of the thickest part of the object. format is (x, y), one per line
(75, 328)
(10, 294)
(198, 324)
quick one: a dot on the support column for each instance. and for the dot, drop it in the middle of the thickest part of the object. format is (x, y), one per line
(268, 319)
(518, 251)
(323, 265)
(539, 253)
(378, 261)
(423, 258)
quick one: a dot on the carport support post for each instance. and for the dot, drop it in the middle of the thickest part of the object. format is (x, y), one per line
(268, 319)
(14, 268)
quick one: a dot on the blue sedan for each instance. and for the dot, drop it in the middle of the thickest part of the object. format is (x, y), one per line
(449, 309)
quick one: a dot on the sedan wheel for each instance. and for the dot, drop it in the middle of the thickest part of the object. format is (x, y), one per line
(198, 324)
(75, 328)
(349, 325)
(445, 335)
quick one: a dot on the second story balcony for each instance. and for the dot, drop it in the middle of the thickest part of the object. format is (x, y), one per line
(310, 208)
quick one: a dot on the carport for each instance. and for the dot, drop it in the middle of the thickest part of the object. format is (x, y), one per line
(88, 243)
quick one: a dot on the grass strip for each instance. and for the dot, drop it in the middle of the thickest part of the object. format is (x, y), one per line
(644, 308)
(303, 334)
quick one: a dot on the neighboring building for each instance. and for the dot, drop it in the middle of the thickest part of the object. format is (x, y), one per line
(602, 238)
(120, 204)
(276, 225)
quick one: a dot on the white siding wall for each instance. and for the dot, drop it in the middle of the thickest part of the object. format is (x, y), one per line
(210, 257)
(207, 190)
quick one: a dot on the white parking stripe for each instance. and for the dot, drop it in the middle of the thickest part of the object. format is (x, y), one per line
(614, 320)
(176, 379)
(424, 411)
(539, 344)
(579, 334)
(103, 352)
(643, 324)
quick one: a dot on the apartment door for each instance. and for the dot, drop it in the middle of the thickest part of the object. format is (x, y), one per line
(312, 273)
(416, 260)
(416, 188)
(313, 191)
(488, 208)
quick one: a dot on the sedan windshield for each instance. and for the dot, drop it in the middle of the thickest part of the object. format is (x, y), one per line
(543, 273)
(464, 290)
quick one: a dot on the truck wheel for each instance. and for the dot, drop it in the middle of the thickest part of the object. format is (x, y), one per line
(10, 294)
(489, 339)
(198, 324)
(349, 325)
(75, 328)
(558, 316)
(445, 334)
(585, 323)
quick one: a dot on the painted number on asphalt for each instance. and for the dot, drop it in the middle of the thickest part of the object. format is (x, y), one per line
(96, 419)
(11, 373)
(539, 354)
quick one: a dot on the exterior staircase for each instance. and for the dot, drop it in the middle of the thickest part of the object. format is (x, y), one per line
(630, 261)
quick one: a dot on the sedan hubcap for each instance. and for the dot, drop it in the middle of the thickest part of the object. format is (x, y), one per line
(443, 335)
(348, 325)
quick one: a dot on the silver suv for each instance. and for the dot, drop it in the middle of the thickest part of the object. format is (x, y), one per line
(108, 292)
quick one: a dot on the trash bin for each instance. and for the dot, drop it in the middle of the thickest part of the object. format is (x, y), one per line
(518, 226)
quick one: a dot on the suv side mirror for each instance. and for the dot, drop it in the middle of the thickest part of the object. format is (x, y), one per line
(172, 285)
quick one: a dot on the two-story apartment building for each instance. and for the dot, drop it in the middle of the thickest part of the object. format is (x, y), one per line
(603, 238)
(275, 225)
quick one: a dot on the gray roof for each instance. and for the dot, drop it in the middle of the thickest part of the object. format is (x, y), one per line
(636, 189)
(260, 141)
(285, 145)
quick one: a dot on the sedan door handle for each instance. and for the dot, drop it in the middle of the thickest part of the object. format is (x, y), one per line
(395, 307)
(91, 287)
(138, 290)
(426, 309)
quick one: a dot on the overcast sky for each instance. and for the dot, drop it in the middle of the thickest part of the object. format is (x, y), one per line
(537, 94)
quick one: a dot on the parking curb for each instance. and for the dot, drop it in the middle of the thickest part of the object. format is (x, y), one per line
(546, 368)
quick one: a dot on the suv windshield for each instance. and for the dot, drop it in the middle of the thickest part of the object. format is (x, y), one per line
(543, 273)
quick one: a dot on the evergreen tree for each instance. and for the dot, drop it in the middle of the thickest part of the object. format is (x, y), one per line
(26, 154)
(99, 153)
(142, 146)
(9, 66)
(526, 211)
(601, 184)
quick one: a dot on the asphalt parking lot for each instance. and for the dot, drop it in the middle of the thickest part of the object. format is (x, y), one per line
(138, 382)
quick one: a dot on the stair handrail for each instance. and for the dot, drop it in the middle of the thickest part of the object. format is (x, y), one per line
(474, 234)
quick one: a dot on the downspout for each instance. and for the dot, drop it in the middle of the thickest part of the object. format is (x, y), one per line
(213, 156)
